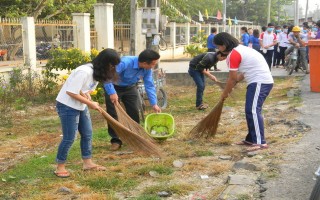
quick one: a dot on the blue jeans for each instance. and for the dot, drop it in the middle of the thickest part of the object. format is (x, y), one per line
(73, 120)
(199, 80)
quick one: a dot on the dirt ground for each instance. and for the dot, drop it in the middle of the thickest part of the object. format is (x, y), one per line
(204, 174)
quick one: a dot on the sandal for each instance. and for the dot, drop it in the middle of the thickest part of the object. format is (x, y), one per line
(95, 168)
(64, 174)
(202, 107)
(243, 142)
(256, 147)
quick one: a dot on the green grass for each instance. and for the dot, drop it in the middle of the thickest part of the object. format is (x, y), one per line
(160, 169)
(47, 125)
(110, 183)
(204, 153)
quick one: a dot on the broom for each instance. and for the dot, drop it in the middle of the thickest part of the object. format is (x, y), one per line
(134, 141)
(208, 126)
(128, 122)
(222, 85)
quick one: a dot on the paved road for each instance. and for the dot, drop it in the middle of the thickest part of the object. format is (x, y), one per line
(301, 159)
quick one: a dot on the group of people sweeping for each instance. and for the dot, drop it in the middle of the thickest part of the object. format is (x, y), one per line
(120, 76)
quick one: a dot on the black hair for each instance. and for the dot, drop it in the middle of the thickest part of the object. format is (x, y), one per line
(278, 26)
(148, 56)
(244, 29)
(256, 33)
(264, 28)
(306, 26)
(213, 29)
(290, 29)
(221, 53)
(284, 26)
(271, 24)
(227, 40)
(318, 23)
(104, 65)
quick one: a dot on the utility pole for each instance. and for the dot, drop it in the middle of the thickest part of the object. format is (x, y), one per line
(278, 12)
(224, 19)
(296, 13)
(306, 14)
(269, 10)
(133, 11)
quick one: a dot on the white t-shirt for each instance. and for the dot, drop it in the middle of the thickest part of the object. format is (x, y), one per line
(267, 39)
(80, 79)
(283, 39)
(251, 63)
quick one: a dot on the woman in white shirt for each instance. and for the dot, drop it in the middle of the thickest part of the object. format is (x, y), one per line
(283, 43)
(73, 101)
(248, 64)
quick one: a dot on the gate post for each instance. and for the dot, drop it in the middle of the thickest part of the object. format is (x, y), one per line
(82, 31)
(29, 42)
(103, 23)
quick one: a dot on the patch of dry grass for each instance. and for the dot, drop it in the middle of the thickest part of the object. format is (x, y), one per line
(127, 173)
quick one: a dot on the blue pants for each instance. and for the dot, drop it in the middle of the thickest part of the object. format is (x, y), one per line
(199, 80)
(255, 97)
(73, 120)
(268, 56)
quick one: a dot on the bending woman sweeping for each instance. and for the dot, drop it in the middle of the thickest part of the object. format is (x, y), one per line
(72, 108)
(248, 64)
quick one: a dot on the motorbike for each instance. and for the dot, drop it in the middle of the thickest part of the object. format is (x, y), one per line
(43, 50)
(294, 62)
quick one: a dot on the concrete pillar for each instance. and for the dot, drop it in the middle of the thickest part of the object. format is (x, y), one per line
(209, 29)
(199, 28)
(173, 37)
(82, 31)
(188, 33)
(103, 23)
(29, 42)
(139, 39)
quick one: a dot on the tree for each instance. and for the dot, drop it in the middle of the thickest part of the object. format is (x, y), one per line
(45, 9)
(256, 10)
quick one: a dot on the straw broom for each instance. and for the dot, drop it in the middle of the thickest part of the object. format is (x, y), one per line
(134, 141)
(128, 122)
(208, 126)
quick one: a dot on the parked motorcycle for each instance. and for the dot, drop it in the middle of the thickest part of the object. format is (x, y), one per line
(43, 50)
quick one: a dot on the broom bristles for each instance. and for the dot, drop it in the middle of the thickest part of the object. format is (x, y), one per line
(133, 140)
(222, 85)
(128, 122)
(208, 126)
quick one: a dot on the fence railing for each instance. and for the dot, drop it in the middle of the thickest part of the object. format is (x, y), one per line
(122, 37)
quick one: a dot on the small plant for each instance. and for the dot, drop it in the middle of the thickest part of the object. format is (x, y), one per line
(20, 104)
(98, 94)
(199, 44)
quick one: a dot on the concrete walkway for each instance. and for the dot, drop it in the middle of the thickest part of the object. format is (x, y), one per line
(182, 65)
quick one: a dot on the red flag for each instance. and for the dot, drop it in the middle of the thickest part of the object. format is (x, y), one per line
(219, 15)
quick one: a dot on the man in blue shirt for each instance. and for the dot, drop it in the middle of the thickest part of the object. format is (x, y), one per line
(211, 46)
(130, 70)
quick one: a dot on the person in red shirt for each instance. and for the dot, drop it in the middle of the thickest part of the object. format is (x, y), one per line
(247, 64)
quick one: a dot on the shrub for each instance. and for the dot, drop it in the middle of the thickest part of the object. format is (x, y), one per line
(198, 45)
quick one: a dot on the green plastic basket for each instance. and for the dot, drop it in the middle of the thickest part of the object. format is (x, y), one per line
(159, 125)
